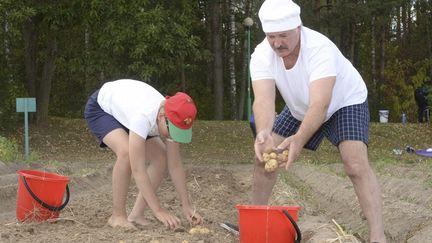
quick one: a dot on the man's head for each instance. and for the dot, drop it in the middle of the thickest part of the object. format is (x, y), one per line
(180, 110)
(280, 20)
(279, 15)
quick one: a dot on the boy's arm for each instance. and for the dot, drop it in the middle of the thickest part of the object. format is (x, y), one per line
(178, 176)
(142, 180)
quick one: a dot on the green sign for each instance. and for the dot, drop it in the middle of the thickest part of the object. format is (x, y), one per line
(26, 105)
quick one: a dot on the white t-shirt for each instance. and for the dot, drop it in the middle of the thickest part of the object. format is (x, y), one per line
(133, 103)
(318, 58)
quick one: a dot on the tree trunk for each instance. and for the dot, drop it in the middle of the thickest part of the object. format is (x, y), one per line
(7, 48)
(373, 60)
(352, 42)
(44, 87)
(30, 48)
(245, 69)
(209, 45)
(88, 83)
(399, 23)
(217, 62)
(429, 42)
(182, 74)
(382, 50)
(232, 69)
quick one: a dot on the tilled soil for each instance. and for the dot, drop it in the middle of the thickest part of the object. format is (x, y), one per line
(330, 211)
(215, 190)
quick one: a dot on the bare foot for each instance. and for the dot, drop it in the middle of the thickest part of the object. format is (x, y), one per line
(140, 220)
(120, 222)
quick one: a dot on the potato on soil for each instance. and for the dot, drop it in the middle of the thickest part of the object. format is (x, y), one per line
(199, 230)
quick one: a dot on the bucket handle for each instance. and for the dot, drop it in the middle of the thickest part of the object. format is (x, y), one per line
(45, 205)
(297, 229)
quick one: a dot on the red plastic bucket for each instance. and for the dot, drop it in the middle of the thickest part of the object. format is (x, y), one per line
(268, 224)
(40, 195)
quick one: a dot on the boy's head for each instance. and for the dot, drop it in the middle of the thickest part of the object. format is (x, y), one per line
(181, 112)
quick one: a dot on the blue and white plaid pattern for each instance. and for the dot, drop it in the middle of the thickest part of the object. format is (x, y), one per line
(348, 123)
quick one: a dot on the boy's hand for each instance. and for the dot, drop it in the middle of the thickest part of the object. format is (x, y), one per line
(193, 217)
(167, 219)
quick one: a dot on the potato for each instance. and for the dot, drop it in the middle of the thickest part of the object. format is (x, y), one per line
(285, 152)
(271, 165)
(273, 155)
(281, 157)
(266, 157)
(199, 230)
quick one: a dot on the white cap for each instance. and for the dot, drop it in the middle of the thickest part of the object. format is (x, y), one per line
(279, 15)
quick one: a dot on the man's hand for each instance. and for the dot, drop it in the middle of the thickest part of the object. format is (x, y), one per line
(294, 145)
(263, 143)
(192, 216)
(169, 220)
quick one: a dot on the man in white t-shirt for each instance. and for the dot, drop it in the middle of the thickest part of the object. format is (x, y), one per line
(131, 118)
(325, 96)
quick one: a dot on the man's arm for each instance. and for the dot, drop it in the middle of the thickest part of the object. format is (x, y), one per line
(320, 94)
(264, 114)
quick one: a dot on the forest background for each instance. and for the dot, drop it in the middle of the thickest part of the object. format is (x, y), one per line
(60, 51)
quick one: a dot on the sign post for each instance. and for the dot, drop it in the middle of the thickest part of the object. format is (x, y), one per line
(26, 105)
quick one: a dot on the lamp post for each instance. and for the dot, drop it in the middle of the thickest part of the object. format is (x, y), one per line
(248, 22)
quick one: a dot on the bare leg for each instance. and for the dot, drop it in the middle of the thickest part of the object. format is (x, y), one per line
(263, 182)
(117, 140)
(157, 170)
(356, 163)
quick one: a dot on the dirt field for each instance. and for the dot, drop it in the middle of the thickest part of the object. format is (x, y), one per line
(219, 177)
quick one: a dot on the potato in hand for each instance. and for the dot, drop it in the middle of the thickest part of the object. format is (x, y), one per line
(271, 165)
(273, 159)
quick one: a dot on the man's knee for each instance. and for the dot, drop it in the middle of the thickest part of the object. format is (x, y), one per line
(355, 168)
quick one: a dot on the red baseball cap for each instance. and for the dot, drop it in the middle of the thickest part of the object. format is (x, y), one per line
(181, 112)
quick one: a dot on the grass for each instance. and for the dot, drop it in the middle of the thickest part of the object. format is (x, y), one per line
(231, 142)
(8, 149)
(220, 142)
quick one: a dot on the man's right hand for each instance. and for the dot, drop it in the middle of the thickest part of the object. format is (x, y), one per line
(169, 220)
(263, 143)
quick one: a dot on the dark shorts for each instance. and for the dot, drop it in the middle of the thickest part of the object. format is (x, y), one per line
(348, 123)
(99, 122)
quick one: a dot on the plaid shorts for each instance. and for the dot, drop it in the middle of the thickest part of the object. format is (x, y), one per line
(348, 123)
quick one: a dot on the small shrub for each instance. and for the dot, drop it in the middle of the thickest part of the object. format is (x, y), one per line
(8, 149)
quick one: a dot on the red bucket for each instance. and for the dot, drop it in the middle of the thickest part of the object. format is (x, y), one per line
(40, 195)
(268, 224)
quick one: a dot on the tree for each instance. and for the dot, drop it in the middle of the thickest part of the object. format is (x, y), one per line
(231, 62)
(217, 62)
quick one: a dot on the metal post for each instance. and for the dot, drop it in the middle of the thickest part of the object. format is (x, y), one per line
(26, 135)
(26, 105)
(249, 99)
(248, 22)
